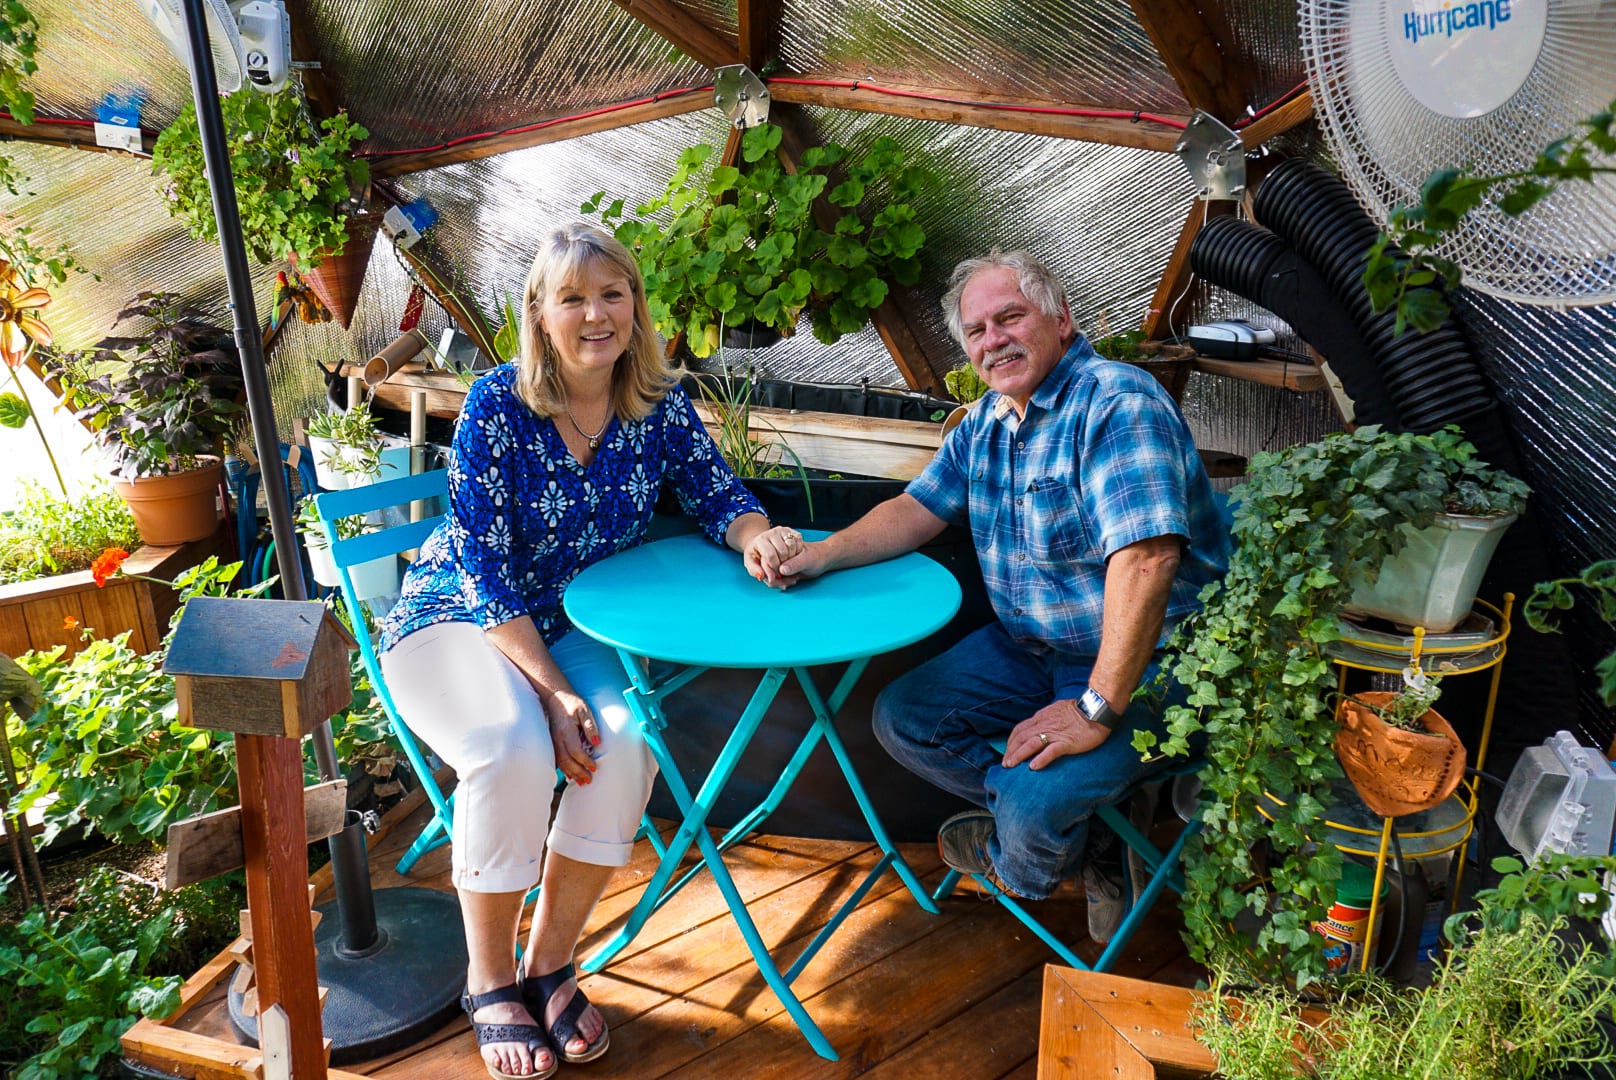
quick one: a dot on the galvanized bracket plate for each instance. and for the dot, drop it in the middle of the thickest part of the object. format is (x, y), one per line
(741, 95)
(1215, 157)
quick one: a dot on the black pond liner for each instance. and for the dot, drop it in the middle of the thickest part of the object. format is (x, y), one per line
(701, 715)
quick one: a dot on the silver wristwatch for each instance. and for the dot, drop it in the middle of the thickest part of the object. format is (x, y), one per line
(1095, 710)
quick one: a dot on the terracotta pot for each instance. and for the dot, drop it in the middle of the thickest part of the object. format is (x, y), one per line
(177, 508)
(336, 279)
(1397, 771)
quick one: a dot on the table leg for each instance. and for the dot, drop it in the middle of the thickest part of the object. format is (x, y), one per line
(824, 711)
(695, 810)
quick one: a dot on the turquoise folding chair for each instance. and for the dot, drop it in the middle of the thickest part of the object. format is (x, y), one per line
(423, 497)
(1163, 873)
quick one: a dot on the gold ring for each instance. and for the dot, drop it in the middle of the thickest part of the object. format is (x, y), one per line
(1043, 738)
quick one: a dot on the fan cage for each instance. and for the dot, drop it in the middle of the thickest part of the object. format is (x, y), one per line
(1562, 252)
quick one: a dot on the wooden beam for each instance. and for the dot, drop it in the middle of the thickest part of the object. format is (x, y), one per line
(890, 322)
(323, 90)
(206, 846)
(976, 110)
(759, 22)
(56, 133)
(537, 134)
(1196, 44)
(684, 31)
(1298, 110)
(1160, 321)
(864, 445)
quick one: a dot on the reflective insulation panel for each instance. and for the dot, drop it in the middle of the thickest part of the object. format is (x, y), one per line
(417, 74)
(104, 208)
(1067, 50)
(1556, 373)
(90, 50)
(1269, 50)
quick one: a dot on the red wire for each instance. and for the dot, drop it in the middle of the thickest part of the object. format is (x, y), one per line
(602, 111)
(1284, 99)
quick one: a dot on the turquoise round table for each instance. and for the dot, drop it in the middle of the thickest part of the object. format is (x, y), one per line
(691, 604)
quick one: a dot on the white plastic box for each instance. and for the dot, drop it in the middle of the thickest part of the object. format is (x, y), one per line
(1561, 797)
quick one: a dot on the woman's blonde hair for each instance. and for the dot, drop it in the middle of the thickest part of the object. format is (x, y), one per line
(641, 377)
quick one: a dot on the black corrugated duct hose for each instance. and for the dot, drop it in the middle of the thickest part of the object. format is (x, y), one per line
(1415, 382)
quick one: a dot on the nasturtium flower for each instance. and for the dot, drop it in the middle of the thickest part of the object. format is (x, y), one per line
(106, 565)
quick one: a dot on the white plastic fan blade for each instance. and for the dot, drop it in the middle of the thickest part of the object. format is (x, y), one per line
(224, 41)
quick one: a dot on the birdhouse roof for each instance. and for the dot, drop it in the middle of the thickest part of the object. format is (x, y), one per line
(251, 639)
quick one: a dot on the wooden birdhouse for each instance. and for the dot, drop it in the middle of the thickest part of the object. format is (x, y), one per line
(259, 667)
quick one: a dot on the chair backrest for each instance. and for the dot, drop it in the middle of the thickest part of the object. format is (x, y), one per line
(429, 491)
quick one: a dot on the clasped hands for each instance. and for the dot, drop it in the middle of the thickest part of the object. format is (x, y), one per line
(779, 557)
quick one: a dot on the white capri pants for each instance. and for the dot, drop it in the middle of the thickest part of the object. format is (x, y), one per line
(463, 697)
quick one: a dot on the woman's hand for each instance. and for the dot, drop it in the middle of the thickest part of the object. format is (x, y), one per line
(767, 550)
(573, 733)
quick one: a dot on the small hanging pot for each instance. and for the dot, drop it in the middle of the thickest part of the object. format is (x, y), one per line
(336, 279)
(1397, 771)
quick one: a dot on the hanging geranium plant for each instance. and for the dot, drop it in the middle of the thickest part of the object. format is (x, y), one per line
(296, 182)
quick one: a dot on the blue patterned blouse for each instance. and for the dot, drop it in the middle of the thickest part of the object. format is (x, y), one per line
(525, 517)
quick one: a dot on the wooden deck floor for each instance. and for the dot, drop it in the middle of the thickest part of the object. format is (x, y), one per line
(899, 992)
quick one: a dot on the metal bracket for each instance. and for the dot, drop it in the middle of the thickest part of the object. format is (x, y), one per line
(1215, 157)
(741, 95)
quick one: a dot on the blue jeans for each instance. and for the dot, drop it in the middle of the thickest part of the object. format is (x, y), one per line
(937, 721)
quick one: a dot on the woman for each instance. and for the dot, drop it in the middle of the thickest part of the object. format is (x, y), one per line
(557, 461)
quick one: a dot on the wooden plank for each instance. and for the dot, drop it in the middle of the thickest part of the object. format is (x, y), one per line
(57, 133)
(702, 43)
(759, 25)
(203, 847)
(978, 110)
(46, 620)
(270, 772)
(1298, 110)
(539, 133)
(916, 986)
(182, 1053)
(1194, 41)
(114, 607)
(1074, 1040)
(984, 1040)
(14, 639)
(1291, 376)
(865, 445)
(1162, 319)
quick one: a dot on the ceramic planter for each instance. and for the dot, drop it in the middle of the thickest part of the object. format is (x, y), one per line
(175, 509)
(1432, 582)
(336, 279)
(1397, 771)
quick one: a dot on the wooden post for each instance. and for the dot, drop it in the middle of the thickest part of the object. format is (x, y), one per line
(270, 774)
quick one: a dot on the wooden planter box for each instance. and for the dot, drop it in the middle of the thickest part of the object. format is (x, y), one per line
(35, 614)
(1124, 1029)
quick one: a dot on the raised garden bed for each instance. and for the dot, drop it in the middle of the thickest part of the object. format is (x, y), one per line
(47, 612)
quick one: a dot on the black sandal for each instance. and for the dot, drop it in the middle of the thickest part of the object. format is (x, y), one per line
(537, 991)
(531, 1034)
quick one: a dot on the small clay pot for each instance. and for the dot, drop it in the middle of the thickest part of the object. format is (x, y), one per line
(1397, 771)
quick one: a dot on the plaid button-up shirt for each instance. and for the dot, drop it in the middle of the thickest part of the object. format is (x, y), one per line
(1103, 459)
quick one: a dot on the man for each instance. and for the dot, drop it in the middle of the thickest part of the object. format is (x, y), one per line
(1096, 528)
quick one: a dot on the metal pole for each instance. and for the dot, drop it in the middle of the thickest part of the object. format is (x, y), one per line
(250, 347)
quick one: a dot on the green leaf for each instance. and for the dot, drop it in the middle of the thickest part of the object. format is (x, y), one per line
(13, 411)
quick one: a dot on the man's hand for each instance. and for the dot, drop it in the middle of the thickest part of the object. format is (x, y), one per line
(765, 552)
(573, 734)
(1050, 734)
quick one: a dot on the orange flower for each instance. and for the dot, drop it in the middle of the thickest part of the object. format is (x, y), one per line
(70, 623)
(18, 322)
(107, 564)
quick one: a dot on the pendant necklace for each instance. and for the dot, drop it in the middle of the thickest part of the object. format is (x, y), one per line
(594, 440)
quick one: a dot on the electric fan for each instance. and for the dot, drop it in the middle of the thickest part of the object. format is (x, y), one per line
(251, 39)
(1404, 87)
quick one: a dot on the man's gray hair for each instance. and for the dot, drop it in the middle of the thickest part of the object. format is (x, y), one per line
(1037, 281)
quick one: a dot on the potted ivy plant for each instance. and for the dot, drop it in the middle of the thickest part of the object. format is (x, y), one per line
(298, 185)
(159, 403)
(739, 245)
(378, 577)
(347, 448)
(1308, 523)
